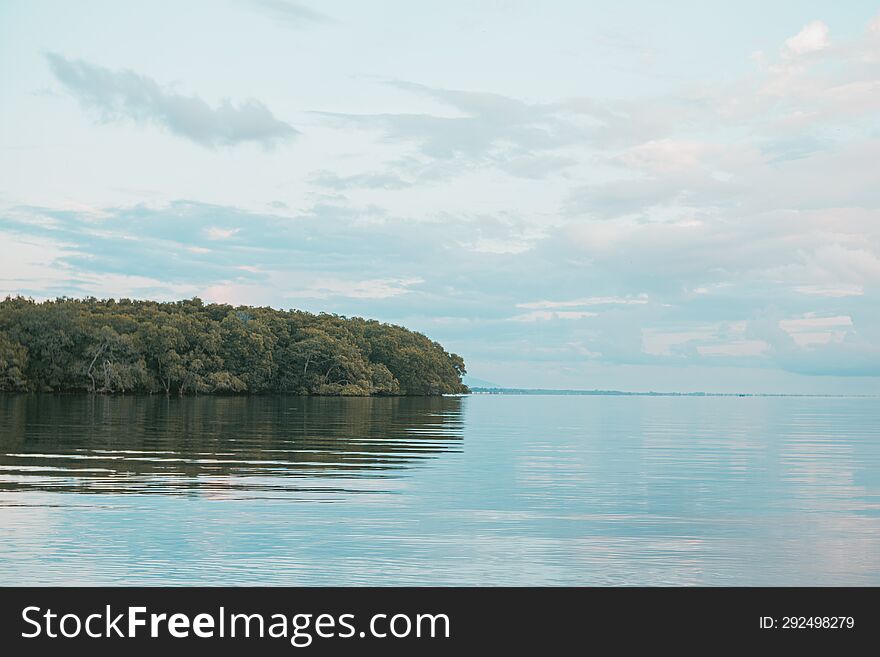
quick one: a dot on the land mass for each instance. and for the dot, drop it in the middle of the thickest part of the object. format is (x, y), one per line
(189, 347)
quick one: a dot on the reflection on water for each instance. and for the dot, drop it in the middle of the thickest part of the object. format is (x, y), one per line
(234, 445)
(476, 490)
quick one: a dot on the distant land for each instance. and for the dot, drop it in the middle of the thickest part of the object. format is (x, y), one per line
(480, 390)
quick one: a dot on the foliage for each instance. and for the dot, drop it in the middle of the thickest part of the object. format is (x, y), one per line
(189, 347)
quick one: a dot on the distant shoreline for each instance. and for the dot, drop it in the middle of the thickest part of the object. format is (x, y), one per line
(535, 392)
(477, 390)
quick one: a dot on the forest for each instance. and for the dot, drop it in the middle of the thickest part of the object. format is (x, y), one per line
(190, 347)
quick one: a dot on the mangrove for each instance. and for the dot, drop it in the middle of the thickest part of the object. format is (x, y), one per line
(191, 347)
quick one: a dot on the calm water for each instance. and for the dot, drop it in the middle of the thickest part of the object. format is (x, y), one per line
(476, 490)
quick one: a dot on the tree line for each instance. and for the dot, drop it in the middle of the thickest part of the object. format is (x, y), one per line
(189, 347)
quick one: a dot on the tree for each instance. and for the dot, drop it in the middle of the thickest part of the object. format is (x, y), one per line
(13, 363)
(189, 347)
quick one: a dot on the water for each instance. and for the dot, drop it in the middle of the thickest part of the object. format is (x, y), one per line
(481, 490)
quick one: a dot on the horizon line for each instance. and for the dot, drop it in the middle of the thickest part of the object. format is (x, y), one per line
(501, 390)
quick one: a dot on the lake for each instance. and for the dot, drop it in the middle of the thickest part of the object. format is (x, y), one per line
(477, 490)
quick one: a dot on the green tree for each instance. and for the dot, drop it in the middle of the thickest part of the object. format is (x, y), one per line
(189, 347)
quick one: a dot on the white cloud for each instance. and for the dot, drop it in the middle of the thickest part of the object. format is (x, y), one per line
(379, 288)
(499, 246)
(663, 155)
(811, 321)
(738, 348)
(547, 315)
(840, 290)
(811, 329)
(586, 301)
(288, 13)
(662, 342)
(216, 233)
(29, 264)
(812, 38)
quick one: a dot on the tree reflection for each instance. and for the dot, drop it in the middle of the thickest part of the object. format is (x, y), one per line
(143, 444)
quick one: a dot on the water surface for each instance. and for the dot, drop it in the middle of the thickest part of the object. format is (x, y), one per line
(481, 490)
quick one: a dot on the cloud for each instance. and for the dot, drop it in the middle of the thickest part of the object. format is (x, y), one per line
(290, 13)
(762, 292)
(380, 288)
(812, 38)
(727, 226)
(819, 346)
(810, 329)
(586, 301)
(664, 155)
(320, 255)
(841, 290)
(735, 349)
(545, 315)
(215, 233)
(337, 182)
(523, 139)
(471, 132)
(126, 95)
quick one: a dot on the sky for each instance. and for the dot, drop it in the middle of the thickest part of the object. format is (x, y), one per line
(677, 196)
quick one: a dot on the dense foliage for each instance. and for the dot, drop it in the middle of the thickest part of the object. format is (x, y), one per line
(190, 347)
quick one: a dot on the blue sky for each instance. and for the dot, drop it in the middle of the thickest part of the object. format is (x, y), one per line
(632, 195)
